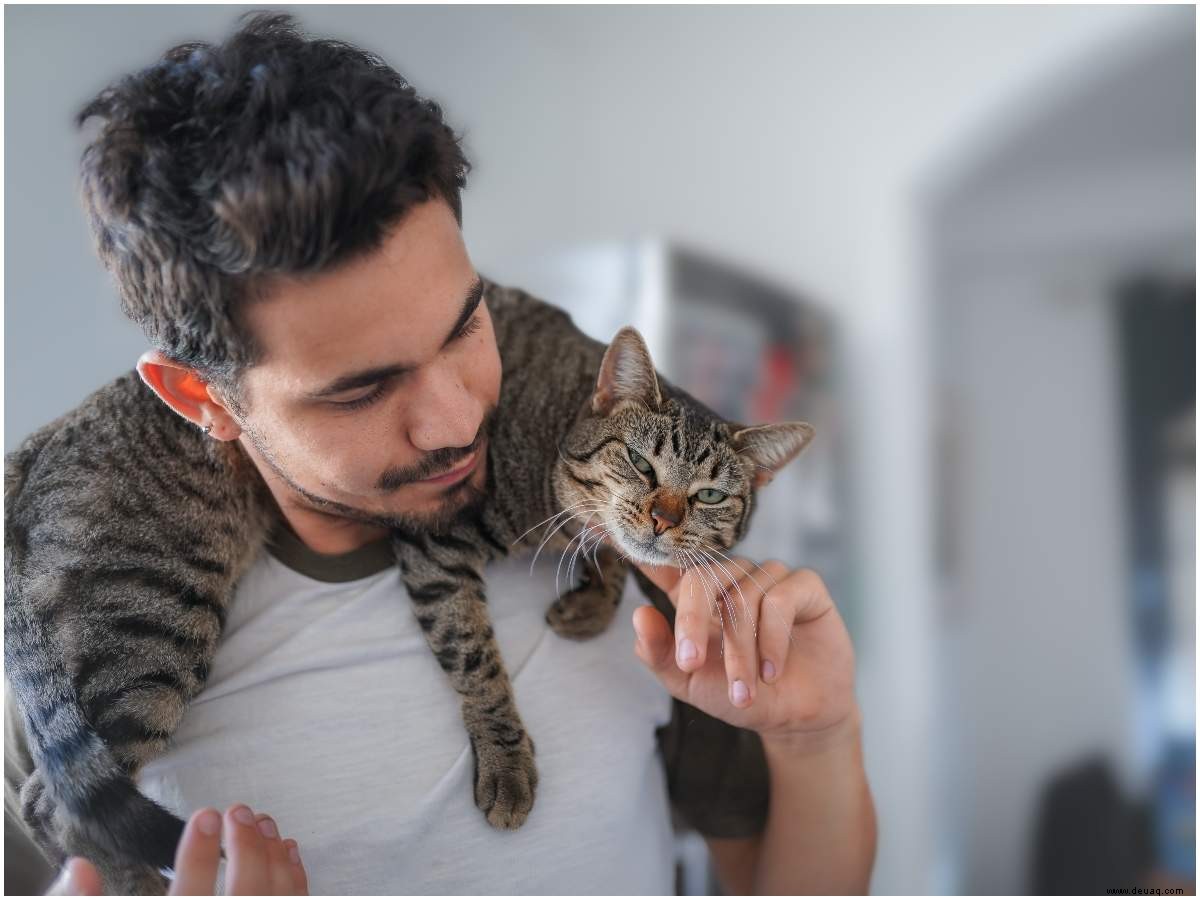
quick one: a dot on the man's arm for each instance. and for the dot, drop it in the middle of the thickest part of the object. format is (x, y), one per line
(821, 830)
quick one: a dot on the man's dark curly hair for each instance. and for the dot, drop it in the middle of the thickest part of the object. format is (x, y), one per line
(219, 167)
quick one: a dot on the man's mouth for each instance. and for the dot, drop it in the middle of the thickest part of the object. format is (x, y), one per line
(457, 474)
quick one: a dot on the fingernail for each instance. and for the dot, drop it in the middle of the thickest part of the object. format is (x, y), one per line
(687, 651)
(209, 822)
(294, 854)
(244, 815)
(267, 829)
(740, 692)
(768, 670)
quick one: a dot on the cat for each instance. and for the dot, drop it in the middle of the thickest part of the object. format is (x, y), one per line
(127, 530)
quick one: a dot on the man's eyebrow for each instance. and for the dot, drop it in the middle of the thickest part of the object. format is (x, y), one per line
(365, 377)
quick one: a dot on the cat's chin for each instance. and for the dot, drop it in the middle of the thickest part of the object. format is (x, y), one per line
(639, 551)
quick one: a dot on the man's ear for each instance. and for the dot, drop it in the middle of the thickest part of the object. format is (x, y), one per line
(182, 389)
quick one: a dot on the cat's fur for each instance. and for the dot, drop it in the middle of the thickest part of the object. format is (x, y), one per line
(127, 530)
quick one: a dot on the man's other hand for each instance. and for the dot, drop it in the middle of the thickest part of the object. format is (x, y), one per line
(260, 862)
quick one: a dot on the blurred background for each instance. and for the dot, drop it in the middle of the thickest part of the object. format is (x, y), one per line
(959, 240)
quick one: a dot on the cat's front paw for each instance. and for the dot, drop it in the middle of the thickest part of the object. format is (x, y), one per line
(582, 613)
(59, 839)
(505, 782)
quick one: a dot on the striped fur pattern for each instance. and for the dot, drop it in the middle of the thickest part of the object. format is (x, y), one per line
(126, 533)
(124, 536)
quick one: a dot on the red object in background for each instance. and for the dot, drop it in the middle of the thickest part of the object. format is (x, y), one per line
(769, 402)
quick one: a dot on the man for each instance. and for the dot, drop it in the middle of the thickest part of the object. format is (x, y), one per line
(282, 217)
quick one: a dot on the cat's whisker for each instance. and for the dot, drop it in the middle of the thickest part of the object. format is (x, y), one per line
(588, 532)
(546, 539)
(694, 566)
(730, 559)
(582, 537)
(609, 532)
(710, 550)
(704, 577)
(562, 558)
(706, 571)
(691, 582)
(765, 599)
(547, 519)
(725, 595)
(556, 529)
(733, 580)
(562, 512)
(711, 562)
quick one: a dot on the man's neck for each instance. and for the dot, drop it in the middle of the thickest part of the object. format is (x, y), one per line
(323, 533)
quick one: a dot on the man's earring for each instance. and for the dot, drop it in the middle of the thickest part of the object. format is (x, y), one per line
(208, 428)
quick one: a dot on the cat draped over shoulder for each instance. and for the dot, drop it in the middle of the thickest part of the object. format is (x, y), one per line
(126, 531)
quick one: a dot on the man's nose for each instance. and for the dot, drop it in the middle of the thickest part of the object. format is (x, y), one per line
(444, 413)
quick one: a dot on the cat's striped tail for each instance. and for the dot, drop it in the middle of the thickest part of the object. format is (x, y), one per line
(85, 788)
(76, 767)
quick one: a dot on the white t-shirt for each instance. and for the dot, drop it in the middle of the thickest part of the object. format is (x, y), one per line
(325, 708)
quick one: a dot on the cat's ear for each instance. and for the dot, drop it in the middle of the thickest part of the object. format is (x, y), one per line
(626, 373)
(771, 447)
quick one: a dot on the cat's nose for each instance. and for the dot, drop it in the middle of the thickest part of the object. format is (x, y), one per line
(663, 518)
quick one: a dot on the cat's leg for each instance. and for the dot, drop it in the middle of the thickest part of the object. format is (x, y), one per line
(444, 577)
(588, 609)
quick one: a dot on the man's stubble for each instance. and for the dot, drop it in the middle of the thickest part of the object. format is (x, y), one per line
(460, 502)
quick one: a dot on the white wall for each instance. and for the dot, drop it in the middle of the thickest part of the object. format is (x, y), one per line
(1035, 665)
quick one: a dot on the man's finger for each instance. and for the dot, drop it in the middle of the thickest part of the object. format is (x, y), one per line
(740, 600)
(776, 616)
(299, 876)
(741, 645)
(664, 577)
(656, 648)
(693, 620)
(198, 855)
(248, 871)
(277, 855)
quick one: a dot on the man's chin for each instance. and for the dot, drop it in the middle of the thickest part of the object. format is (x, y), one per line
(458, 504)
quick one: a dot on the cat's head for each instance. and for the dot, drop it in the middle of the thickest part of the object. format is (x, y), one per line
(662, 474)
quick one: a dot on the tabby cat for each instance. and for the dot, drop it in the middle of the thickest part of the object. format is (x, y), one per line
(127, 530)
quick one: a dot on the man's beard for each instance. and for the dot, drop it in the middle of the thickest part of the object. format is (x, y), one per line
(460, 503)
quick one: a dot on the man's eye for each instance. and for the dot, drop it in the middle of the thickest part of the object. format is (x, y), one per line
(363, 401)
(470, 328)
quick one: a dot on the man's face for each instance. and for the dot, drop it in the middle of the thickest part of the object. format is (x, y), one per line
(376, 377)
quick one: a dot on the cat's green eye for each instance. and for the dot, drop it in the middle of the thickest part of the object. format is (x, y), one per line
(639, 462)
(708, 495)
